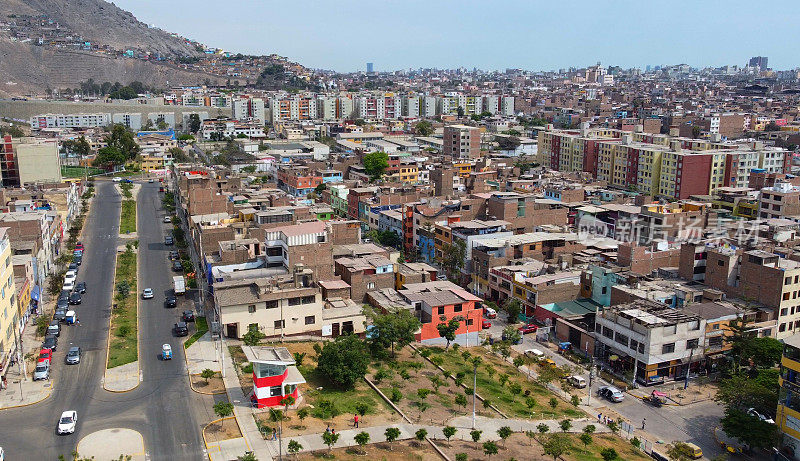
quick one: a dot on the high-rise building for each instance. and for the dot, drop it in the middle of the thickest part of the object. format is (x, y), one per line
(370, 68)
(461, 141)
(759, 61)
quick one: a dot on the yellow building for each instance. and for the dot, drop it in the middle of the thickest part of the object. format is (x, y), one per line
(9, 312)
(464, 168)
(150, 163)
(788, 413)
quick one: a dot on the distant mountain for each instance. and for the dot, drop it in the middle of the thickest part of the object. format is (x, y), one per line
(102, 22)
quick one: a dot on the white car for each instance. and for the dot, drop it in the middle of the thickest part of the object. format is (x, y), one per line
(117, 179)
(611, 393)
(69, 285)
(147, 293)
(70, 276)
(67, 422)
(535, 353)
(167, 219)
(754, 413)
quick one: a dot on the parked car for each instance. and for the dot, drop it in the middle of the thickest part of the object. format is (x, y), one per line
(73, 355)
(54, 328)
(530, 328)
(181, 329)
(78, 259)
(489, 313)
(69, 286)
(73, 267)
(77, 253)
(64, 295)
(187, 316)
(177, 266)
(548, 363)
(79, 246)
(117, 179)
(174, 255)
(167, 219)
(45, 355)
(171, 301)
(75, 298)
(70, 276)
(535, 353)
(60, 314)
(50, 342)
(611, 393)
(168, 240)
(486, 324)
(150, 180)
(67, 422)
(80, 287)
(577, 381)
(42, 371)
(147, 293)
(63, 303)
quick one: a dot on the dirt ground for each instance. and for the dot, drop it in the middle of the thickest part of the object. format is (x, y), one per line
(292, 425)
(214, 385)
(222, 430)
(399, 451)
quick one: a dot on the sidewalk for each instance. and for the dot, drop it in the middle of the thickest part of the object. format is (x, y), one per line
(122, 378)
(203, 354)
(23, 392)
(489, 426)
(251, 439)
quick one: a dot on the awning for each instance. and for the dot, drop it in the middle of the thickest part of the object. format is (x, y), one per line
(36, 293)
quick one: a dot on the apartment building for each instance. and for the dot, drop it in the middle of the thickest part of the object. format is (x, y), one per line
(97, 120)
(649, 339)
(9, 312)
(461, 141)
(364, 274)
(298, 181)
(780, 201)
(28, 161)
(293, 108)
(788, 411)
(249, 109)
(307, 244)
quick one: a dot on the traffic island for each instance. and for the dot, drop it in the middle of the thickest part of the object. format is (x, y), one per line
(122, 366)
(127, 221)
(115, 443)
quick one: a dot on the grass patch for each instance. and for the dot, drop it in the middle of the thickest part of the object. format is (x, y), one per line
(127, 223)
(122, 347)
(502, 395)
(202, 327)
(79, 171)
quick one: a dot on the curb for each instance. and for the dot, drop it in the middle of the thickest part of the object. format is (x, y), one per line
(205, 442)
(108, 340)
(201, 392)
(23, 405)
(144, 447)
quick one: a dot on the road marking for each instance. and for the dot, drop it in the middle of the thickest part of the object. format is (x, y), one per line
(141, 376)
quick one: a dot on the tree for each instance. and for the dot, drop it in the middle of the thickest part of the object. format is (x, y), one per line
(461, 457)
(395, 328)
(742, 391)
(609, 454)
(392, 433)
(375, 163)
(543, 428)
(423, 128)
(764, 352)
(207, 374)
(299, 357)
(460, 111)
(302, 414)
(178, 155)
(507, 142)
(294, 447)
(513, 308)
(504, 432)
(452, 260)
(565, 425)
(489, 448)
(109, 156)
(448, 330)
(194, 123)
(250, 456)
(586, 439)
(512, 334)
(330, 439)
(476, 435)
(747, 429)
(449, 431)
(121, 138)
(253, 336)
(344, 361)
(461, 400)
(553, 402)
(613, 426)
(556, 445)
(589, 429)
(362, 438)
(421, 434)
(223, 410)
(518, 361)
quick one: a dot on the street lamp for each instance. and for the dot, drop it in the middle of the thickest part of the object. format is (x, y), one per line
(475, 362)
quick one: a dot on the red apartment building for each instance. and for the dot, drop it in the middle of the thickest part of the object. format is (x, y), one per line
(275, 375)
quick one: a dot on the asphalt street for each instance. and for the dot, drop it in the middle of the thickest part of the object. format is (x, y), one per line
(162, 408)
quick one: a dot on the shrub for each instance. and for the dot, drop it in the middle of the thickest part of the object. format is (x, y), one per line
(396, 396)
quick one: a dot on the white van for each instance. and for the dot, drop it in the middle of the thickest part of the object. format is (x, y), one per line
(577, 381)
(535, 353)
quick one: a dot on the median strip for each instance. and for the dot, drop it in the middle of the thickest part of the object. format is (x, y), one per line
(123, 343)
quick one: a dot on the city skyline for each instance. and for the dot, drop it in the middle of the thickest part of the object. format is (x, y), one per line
(636, 38)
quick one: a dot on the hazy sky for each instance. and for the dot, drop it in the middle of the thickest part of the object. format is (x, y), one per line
(491, 34)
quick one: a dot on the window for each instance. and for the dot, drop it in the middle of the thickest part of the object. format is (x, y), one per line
(668, 348)
(272, 304)
(280, 323)
(251, 308)
(470, 322)
(309, 299)
(295, 301)
(670, 329)
(692, 344)
(275, 391)
(782, 327)
(787, 280)
(370, 285)
(310, 320)
(457, 308)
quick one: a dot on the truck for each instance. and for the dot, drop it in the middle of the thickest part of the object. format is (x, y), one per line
(179, 284)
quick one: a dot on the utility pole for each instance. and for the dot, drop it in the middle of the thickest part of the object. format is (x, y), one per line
(591, 375)
(689, 366)
(474, 391)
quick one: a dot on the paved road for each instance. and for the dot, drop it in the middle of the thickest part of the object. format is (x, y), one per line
(689, 423)
(162, 408)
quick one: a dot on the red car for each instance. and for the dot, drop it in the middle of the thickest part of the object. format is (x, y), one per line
(528, 329)
(79, 246)
(45, 355)
(486, 324)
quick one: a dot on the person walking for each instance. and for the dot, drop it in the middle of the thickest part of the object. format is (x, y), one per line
(274, 434)
(355, 419)
(599, 417)
(643, 421)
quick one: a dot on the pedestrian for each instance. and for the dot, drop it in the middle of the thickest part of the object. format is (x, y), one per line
(600, 417)
(643, 421)
(355, 419)
(605, 419)
(274, 434)
(333, 431)
(77, 321)
(328, 429)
